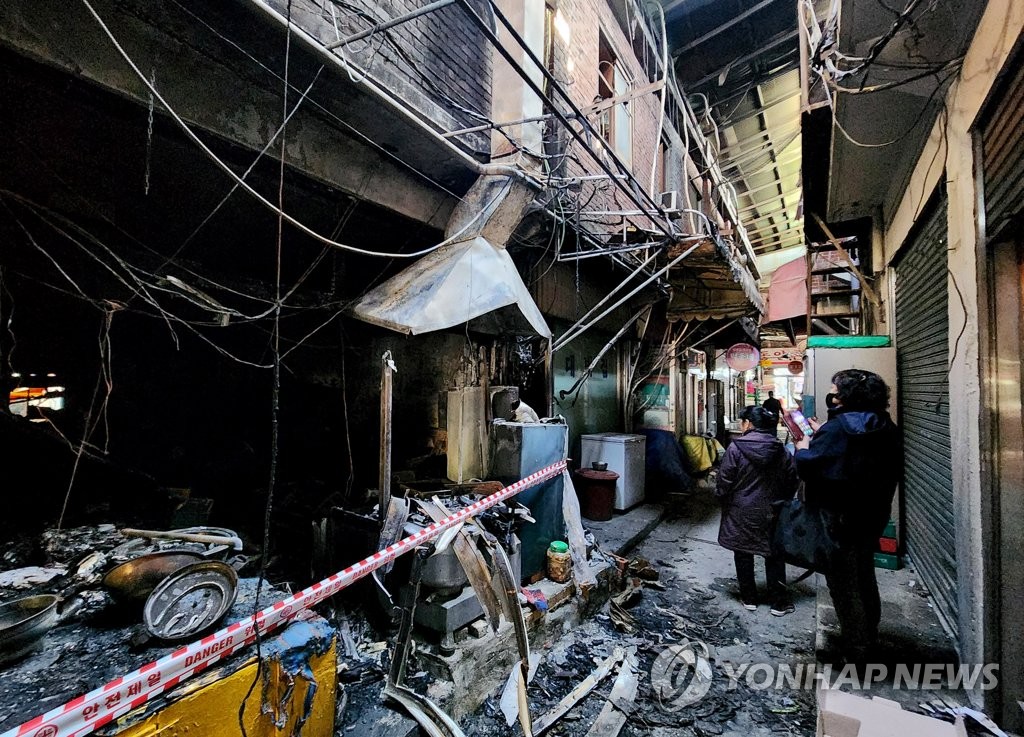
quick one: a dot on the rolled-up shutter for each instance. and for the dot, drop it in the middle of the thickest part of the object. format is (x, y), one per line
(1003, 157)
(922, 351)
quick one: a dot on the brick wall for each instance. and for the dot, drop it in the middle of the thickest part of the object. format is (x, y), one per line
(439, 63)
(577, 65)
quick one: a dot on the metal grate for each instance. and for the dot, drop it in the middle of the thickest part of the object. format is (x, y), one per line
(1003, 157)
(922, 350)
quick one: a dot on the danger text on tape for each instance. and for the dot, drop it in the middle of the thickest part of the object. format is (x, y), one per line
(93, 710)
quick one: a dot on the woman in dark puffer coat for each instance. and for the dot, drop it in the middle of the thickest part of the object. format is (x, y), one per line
(755, 472)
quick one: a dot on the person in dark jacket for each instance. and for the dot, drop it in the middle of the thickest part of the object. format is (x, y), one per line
(851, 467)
(755, 472)
(772, 404)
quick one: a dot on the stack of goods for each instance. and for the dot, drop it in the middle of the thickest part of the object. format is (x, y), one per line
(887, 555)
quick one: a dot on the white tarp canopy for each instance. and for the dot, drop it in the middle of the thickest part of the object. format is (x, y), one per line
(452, 285)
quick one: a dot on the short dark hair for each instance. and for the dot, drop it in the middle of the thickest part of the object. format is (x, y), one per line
(771, 393)
(760, 418)
(861, 390)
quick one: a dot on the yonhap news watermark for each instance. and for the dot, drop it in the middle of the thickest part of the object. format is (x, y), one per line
(901, 676)
(683, 674)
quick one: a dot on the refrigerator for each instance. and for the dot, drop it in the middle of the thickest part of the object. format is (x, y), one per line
(626, 455)
(821, 363)
(518, 449)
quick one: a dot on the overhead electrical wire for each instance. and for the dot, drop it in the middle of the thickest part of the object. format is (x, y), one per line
(940, 85)
(167, 316)
(823, 46)
(275, 392)
(326, 111)
(245, 174)
(953, 64)
(239, 182)
(244, 185)
(663, 92)
(138, 274)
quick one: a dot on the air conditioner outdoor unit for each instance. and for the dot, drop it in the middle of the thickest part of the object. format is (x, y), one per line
(670, 200)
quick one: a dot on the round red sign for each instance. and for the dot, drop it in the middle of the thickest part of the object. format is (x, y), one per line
(795, 367)
(742, 357)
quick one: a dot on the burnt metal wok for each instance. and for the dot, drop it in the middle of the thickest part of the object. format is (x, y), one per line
(24, 622)
(134, 580)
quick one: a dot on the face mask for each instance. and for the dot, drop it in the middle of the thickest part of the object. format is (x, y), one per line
(830, 400)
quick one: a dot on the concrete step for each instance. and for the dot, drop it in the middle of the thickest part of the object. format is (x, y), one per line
(910, 636)
(625, 530)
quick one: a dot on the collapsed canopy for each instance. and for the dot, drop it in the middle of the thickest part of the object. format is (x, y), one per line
(450, 286)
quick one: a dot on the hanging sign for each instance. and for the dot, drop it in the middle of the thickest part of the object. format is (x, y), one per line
(742, 357)
(795, 367)
(781, 356)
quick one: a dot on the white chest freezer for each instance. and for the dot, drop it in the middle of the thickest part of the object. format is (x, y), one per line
(625, 454)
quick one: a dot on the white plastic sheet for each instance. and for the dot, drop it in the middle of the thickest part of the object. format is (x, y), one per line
(453, 285)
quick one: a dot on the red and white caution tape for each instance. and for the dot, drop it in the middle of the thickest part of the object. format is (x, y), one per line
(96, 708)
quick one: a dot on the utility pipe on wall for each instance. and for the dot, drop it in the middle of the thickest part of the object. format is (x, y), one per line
(387, 367)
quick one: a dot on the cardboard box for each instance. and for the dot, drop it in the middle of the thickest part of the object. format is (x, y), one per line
(843, 714)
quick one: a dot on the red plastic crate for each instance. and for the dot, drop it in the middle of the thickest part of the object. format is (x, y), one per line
(887, 544)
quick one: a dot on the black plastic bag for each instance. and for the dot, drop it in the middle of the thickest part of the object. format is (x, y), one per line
(802, 535)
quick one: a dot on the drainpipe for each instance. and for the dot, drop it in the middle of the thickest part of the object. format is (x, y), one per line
(313, 45)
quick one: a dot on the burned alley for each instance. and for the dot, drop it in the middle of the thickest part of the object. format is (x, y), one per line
(508, 367)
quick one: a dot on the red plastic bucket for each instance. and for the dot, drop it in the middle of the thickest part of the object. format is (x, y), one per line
(596, 491)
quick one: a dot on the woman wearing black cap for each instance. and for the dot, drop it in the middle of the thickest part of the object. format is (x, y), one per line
(755, 472)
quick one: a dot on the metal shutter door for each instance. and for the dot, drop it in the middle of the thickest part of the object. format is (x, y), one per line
(1003, 156)
(922, 352)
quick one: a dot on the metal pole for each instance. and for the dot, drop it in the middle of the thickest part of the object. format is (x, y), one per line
(566, 338)
(390, 23)
(491, 126)
(386, 387)
(584, 235)
(604, 299)
(549, 379)
(410, 594)
(600, 354)
(719, 29)
(577, 255)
